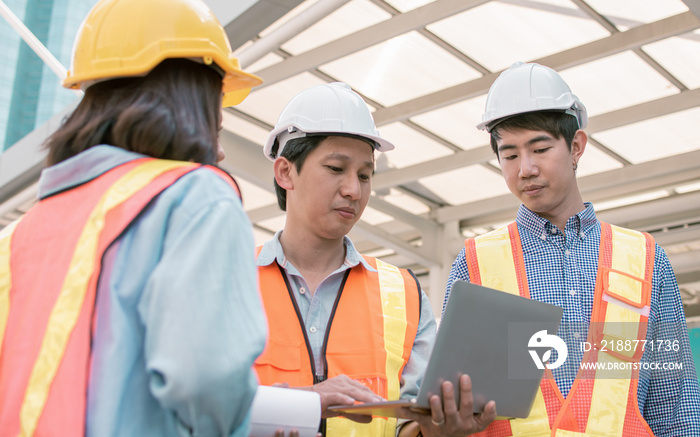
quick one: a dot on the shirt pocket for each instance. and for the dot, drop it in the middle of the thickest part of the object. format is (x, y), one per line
(282, 363)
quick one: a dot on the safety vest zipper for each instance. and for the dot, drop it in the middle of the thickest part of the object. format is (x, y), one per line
(322, 378)
(317, 378)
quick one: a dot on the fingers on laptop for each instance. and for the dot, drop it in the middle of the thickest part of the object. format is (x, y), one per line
(449, 419)
(342, 390)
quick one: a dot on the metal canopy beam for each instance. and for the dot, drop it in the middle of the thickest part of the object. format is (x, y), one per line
(391, 241)
(398, 25)
(272, 41)
(635, 37)
(694, 6)
(623, 181)
(653, 212)
(599, 123)
(644, 111)
(414, 172)
(247, 24)
(245, 159)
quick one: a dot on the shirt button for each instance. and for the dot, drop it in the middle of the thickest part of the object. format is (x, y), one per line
(567, 252)
(302, 290)
(543, 236)
(312, 329)
(572, 292)
(553, 231)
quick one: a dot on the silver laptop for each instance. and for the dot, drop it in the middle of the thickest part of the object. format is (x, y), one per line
(491, 336)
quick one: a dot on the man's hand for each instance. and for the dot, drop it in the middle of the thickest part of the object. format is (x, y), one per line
(341, 390)
(446, 420)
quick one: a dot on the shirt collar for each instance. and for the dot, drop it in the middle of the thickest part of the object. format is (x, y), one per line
(272, 251)
(82, 168)
(581, 223)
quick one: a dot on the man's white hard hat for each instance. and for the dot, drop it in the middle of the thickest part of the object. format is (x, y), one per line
(528, 88)
(327, 109)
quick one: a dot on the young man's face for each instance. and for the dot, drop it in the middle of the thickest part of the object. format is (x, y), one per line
(333, 188)
(539, 170)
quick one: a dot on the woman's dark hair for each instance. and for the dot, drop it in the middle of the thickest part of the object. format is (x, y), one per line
(296, 150)
(557, 124)
(171, 113)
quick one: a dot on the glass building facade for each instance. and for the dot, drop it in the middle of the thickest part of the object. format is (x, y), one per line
(30, 92)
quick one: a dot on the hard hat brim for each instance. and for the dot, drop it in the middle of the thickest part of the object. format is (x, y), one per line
(381, 144)
(235, 79)
(580, 116)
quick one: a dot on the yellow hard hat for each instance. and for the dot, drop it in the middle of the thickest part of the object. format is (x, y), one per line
(122, 38)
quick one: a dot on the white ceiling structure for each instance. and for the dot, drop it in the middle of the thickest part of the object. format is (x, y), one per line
(424, 67)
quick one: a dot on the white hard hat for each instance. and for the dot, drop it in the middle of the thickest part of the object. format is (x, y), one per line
(529, 88)
(332, 108)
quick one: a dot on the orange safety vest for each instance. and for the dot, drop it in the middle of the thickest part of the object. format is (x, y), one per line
(369, 337)
(50, 263)
(597, 404)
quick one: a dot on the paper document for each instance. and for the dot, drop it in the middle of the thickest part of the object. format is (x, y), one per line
(284, 408)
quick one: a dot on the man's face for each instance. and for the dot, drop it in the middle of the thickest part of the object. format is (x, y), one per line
(333, 187)
(538, 169)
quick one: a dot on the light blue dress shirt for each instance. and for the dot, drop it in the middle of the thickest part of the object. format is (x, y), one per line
(316, 310)
(561, 270)
(179, 321)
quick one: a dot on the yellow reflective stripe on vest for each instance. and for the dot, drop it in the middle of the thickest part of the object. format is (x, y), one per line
(394, 310)
(611, 390)
(67, 309)
(629, 255)
(496, 263)
(608, 400)
(395, 320)
(5, 276)
(536, 424)
(497, 270)
(564, 433)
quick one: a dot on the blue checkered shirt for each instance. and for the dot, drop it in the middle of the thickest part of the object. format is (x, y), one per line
(561, 270)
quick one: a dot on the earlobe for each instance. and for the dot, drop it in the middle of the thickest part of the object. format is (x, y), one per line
(283, 169)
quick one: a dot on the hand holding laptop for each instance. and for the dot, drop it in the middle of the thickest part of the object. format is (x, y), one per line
(341, 390)
(448, 417)
(484, 333)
